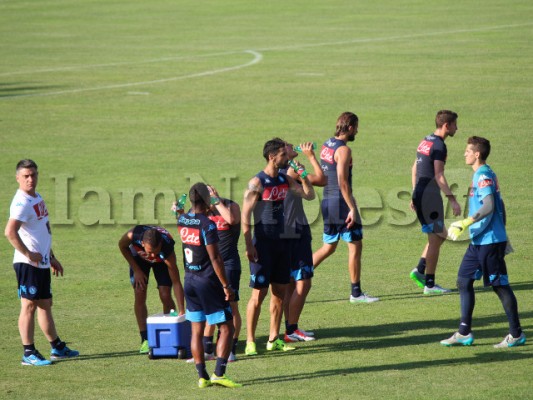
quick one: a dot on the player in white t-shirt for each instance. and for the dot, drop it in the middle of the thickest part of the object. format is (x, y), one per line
(28, 231)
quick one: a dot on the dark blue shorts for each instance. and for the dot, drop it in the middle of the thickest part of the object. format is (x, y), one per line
(301, 258)
(335, 211)
(161, 274)
(204, 299)
(33, 283)
(489, 259)
(273, 263)
(429, 210)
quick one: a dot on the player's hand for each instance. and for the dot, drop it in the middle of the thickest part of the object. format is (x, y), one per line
(251, 253)
(458, 228)
(35, 257)
(456, 208)
(139, 280)
(229, 293)
(57, 268)
(307, 149)
(350, 219)
(412, 206)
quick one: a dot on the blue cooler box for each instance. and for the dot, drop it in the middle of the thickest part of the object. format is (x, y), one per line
(169, 336)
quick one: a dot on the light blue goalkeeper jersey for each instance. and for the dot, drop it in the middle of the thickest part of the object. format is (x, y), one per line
(490, 229)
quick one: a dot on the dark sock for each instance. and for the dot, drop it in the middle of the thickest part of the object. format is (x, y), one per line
(467, 298)
(144, 335)
(510, 306)
(202, 373)
(234, 347)
(29, 349)
(292, 328)
(57, 344)
(286, 324)
(421, 267)
(220, 369)
(430, 280)
(208, 344)
(356, 289)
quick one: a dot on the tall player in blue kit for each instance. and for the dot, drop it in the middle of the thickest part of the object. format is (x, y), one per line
(267, 251)
(487, 249)
(207, 289)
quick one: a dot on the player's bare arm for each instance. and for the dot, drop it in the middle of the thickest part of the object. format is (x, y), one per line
(317, 178)
(12, 234)
(305, 190)
(413, 183)
(444, 187)
(251, 196)
(174, 273)
(220, 271)
(139, 279)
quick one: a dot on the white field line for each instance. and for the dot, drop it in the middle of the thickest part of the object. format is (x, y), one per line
(257, 58)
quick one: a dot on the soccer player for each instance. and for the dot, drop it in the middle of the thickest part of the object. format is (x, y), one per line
(226, 214)
(339, 208)
(486, 252)
(207, 289)
(147, 248)
(28, 231)
(428, 180)
(267, 251)
(298, 233)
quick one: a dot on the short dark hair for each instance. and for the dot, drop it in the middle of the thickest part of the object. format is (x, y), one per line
(272, 147)
(480, 144)
(26, 163)
(345, 120)
(445, 117)
(199, 195)
(152, 237)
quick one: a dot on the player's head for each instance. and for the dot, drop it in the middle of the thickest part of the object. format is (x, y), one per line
(347, 124)
(152, 241)
(27, 175)
(199, 196)
(445, 117)
(275, 150)
(27, 163)
(479, 145)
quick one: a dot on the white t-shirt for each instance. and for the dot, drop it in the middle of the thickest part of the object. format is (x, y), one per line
(35, 229)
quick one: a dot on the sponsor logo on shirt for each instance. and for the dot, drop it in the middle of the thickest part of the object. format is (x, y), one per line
(275, 193)
(424, 147)
(326, 154)
(40, 210)
(221, 223)
(190, 236)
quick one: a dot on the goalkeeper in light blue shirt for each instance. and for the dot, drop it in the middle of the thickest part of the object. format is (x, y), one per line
(486, 252)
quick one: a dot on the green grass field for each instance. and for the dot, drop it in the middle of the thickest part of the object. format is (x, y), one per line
(112, 98)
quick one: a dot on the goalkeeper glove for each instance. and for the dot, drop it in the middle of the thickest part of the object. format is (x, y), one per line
(457, 228)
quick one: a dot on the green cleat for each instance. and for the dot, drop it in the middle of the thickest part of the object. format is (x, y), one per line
(418, 278)
(278, 344)
(144, 347)
(203, 383)
(224, 381)
(250, 349)
(458, 340)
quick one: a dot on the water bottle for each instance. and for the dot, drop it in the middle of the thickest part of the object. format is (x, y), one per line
(299, 149)
(180, 204)
(300, 170)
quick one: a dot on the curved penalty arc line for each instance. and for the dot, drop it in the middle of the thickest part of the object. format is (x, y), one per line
(257, 57)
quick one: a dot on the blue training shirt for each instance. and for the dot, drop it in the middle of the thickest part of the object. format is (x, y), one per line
(490, 229)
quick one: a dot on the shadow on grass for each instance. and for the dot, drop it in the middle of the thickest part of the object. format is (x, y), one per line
(517, 287)
(20, 89)
(88, 357)
(483, 358)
